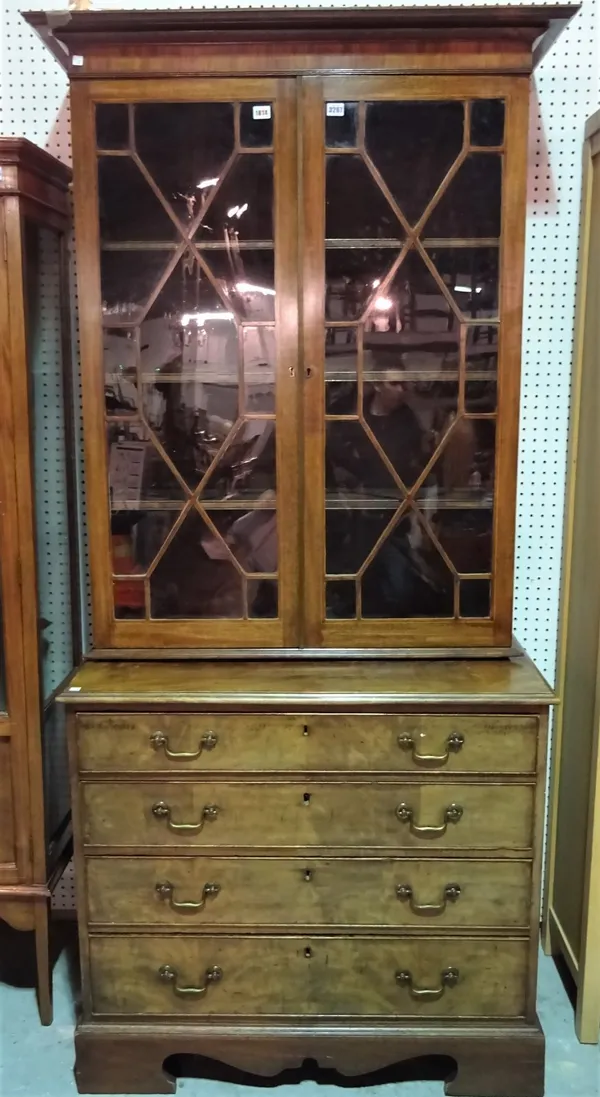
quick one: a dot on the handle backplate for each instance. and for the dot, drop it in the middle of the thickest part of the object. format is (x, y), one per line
(454, 743)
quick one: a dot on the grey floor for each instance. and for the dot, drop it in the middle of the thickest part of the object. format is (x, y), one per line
(38, 1062)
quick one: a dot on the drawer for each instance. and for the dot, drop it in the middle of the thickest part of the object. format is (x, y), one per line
(248, 815)
(255, 891)
(153, 742)
(308, 976)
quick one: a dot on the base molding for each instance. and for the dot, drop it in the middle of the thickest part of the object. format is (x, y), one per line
(492, 1060)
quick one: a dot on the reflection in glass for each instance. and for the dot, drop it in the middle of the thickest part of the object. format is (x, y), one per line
(352, 528)
(471, 275)
(352, 277)
(340, 599)
(196, 576)
(188, 292)
(481, 395)
(184, 146)
(128, 207)
(128, 278)
(263, 598)
(259, 353)
(246, 279)
(256, 131)
(112, 126)
(407, 577)
(341, 121)
(475, 598)
(354, 468)
(120, 353)
(411, 306)
(246, 468)
(413, 144)
(471, 205)
(242, 208)
(463, 472)
(355, 205)
(129, 599)
(487, 122)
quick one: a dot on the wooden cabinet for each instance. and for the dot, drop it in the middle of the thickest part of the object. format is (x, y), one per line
(37, 600)
(572, 905)
(300, 244)
(301, 289)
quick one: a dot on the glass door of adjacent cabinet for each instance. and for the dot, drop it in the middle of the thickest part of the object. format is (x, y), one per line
(414, 352)
(198, 302)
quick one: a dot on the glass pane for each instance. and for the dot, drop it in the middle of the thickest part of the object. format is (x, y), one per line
(475, 597)
(50, 446)
(246, 468)
(407, 577)
(463, 473)
(487, 122)
(340, 599)
(256, 125)
(242, 208)
(259, 351)
(251, 536)
(112, 126)
(355, 205)
(129, 599)
(246, 280)
(128, 279)
(196, 576)
(128, 207)
(352, 529)
(187, 297)
(482, 368)
(341, 371)
(136, 538)
(263, 598)
(471, 205)
(466, 537)
(413, 145)
(184, 146)
(341, 122)
(354, 467)
(120, 354)
(352, 278)
(137, 473)
(471, 275)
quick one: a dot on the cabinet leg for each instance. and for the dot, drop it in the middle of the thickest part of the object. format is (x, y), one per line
(499, 1070)
(121, 1065)
(42, 955)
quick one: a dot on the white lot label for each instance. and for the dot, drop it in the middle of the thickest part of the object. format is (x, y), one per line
(261, 112)
(335, 110)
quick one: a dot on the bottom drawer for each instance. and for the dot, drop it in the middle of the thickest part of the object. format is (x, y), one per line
(292, 976)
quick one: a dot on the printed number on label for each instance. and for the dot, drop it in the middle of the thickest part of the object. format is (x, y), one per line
(335, 110)
(261, 112)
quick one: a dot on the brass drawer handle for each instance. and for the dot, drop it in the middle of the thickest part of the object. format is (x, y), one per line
(166, 891)
(454, 743)
(170, 974)
(159, 741)
(163, 811)
(449, 978)
(452, 892)
(452, 814)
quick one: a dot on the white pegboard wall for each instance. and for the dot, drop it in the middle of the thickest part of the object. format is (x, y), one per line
(566, 91)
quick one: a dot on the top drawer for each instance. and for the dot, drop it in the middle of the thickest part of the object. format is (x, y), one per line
(157, 742)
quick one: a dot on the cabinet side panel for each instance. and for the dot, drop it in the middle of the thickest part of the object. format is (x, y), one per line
(583, 616)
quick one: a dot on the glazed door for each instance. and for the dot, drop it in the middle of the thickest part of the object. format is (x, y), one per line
(414, 216)
(186, 225)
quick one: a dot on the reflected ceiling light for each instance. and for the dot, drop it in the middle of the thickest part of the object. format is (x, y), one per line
(383, 304)
(204, 183)
(248, 287)
(467, 289)
(202, 317)
(241, 210)
(232, 212)
(376, 282)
